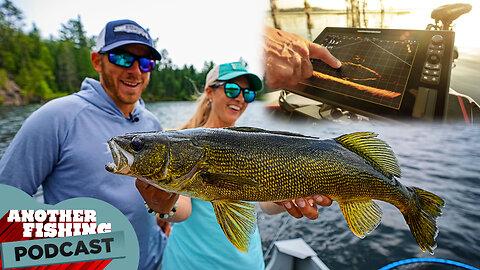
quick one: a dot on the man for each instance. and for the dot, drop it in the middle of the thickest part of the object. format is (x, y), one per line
(62, 145)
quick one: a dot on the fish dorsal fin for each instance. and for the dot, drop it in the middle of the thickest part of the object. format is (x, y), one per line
(238, 220)
(374, 150)
(259, 130)
(362, 216)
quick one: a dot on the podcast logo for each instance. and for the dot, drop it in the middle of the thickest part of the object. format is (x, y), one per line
(97, 236)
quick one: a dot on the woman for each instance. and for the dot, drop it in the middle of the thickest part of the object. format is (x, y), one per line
(198, 242)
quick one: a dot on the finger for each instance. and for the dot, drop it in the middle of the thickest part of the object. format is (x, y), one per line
(296, 67)
(165, 225)
(278, 72)
(322, 200)
(307, 207)
(284, 65)
(320, 52)
(300, 47)
(292, 209)
(275, 75)
(167, 229)
(307, 68)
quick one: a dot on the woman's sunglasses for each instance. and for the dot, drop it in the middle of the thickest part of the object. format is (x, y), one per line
(232, 90)
(126, 59)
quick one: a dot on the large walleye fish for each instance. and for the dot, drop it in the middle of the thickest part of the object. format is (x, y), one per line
(229, 166)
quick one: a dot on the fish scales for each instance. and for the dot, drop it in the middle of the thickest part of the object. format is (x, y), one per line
(230, 166)
(289, 169)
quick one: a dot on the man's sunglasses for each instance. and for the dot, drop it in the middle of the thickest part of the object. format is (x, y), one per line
(232, 90)
(125, 59)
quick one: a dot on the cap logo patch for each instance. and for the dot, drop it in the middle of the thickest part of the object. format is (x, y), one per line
(131, 29)
(234, 66)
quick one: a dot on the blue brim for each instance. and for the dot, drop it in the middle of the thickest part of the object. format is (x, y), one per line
(156, 55)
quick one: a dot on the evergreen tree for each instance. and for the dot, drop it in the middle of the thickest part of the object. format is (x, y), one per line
(46, 69)
(73, 31)
(66, 68)
(10, 16)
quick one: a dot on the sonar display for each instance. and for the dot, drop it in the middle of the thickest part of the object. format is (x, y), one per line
(373, 70)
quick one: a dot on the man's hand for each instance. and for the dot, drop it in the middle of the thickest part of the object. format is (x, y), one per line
(287, 58)
(306, 206)
(158, 200)
(165, 225)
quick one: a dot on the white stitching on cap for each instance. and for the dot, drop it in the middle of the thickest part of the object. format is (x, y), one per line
(131, 28)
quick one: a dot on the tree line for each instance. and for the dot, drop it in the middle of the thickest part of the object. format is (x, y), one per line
(48, 68)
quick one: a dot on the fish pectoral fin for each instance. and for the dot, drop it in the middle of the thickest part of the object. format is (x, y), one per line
(185, 179)
(238, 221)
(362, 216)
(218, 178)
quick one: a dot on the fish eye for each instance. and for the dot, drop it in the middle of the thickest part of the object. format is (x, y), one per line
(137, 144)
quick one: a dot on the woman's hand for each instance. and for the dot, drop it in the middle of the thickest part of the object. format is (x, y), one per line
(306, 206)
(303, 207)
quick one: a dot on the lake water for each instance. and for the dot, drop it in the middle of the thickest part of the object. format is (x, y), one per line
(443, 159)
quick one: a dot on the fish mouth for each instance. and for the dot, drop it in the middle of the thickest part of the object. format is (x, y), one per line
(122, 159)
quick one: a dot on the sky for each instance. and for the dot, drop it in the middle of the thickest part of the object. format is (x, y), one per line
(191, 31)
(372, 4)
(195, 31)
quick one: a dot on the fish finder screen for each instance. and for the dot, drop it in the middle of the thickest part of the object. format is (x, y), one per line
(374, 70)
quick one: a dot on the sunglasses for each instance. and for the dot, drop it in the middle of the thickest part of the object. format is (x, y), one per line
(125, 59)
(232, 90)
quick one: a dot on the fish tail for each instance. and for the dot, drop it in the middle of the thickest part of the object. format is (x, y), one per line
(421, 218)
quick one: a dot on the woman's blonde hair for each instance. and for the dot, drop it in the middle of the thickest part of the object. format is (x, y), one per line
(200, 117)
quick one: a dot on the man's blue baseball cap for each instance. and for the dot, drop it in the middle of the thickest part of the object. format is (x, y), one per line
(228, 71)
(123, 32)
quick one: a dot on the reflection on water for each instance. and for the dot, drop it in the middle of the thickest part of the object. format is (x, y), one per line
(464, 76)
(443, 159)
(440, 158)
(11, 118)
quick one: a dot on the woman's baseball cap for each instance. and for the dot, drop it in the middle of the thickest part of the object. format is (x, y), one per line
(232, 70)
(123, 32)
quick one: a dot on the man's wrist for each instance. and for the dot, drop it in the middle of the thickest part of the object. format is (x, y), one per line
(160, 215)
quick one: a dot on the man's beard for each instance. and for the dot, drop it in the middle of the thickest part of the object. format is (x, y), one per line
(111, 85)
